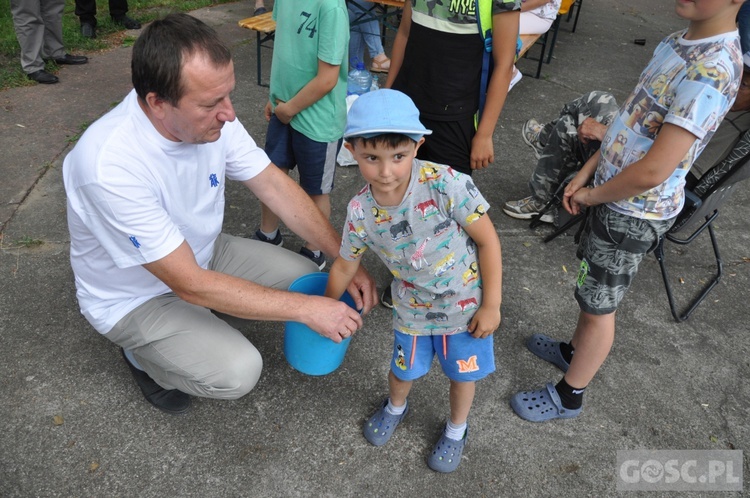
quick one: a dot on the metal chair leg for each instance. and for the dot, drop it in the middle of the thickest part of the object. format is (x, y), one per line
(698, 299)
(578, 13)
(257, 57)
(554, 29)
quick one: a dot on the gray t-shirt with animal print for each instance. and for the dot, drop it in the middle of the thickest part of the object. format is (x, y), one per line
(437, 285)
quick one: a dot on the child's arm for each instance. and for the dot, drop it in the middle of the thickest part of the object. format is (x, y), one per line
(504, 34)
(314, 90)
(399, 45)
(669, 148)
(487, 318)
(341, 274)
(582, 178)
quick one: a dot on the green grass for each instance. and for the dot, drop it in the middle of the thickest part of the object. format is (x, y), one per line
(108, 34)
(28, 242)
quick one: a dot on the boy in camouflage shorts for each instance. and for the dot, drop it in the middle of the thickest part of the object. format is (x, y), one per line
(638, 189)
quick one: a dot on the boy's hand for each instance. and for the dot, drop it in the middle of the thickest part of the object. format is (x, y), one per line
(363, 291)
(283, 111)
(571, 204)
(482, 152)
(268, 111)
(484, 322)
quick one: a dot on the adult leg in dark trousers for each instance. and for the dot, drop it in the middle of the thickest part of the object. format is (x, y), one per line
(118, 9)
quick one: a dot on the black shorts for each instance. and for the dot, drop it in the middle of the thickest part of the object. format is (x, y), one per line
(450, 143)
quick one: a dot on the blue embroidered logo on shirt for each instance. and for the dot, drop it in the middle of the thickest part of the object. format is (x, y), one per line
(135, 241)
(214, 180)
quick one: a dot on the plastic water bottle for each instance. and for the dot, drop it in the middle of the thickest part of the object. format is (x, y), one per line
(359, 81)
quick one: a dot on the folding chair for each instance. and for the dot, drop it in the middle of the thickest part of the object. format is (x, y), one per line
(702, 204)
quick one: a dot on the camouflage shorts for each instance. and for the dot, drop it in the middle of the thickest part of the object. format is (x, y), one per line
(611, 248)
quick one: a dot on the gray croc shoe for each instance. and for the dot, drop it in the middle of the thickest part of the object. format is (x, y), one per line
(541, 405)
(379, 428)
(446, 455)
(547, 349)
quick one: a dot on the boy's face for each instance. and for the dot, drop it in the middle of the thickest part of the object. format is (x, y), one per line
(387, 170)
(706, 10)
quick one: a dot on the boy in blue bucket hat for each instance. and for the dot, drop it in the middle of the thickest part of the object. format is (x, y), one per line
(429, 225)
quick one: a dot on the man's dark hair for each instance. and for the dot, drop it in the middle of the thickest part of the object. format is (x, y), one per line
(389, 140)
(162, 49)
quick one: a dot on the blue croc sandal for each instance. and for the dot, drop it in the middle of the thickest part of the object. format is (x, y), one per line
(379, 428)
(541, 405)
(446, 455)
(547, 349)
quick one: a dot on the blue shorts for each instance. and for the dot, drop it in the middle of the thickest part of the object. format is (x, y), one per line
(287, 148)
(463, 358)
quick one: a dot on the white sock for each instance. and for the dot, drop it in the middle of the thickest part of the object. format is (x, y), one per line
(455, 432)
(132, 360)
(393, 409)
(316, 253)
(270, 235)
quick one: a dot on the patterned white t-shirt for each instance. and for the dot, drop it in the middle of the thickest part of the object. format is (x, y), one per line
(688, 83)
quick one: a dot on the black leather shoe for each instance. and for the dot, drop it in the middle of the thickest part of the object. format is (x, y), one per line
(88, 30)
(43, 76)
(171, 401)
(127, 21)
(73, 60)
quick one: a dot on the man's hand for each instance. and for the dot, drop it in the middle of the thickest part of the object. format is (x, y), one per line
(591, 129)
(363, 290)
(268, 111)
(332, 319)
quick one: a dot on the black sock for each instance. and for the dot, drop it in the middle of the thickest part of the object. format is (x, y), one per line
(571, 398)
(566, 350)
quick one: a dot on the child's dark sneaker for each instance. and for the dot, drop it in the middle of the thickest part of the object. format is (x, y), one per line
(386, 299)
(277, 241)
(319, 260)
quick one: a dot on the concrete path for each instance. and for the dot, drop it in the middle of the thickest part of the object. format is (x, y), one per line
(72, 422)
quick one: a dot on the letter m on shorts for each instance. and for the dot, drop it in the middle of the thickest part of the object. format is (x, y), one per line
(469, 365)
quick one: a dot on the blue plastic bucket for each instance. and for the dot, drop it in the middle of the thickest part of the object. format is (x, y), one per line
(305, 349)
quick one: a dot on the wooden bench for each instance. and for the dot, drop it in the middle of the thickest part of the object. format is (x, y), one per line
(528, 41)
(265, 28)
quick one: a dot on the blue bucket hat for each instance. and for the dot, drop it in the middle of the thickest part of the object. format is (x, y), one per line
(384, 111)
